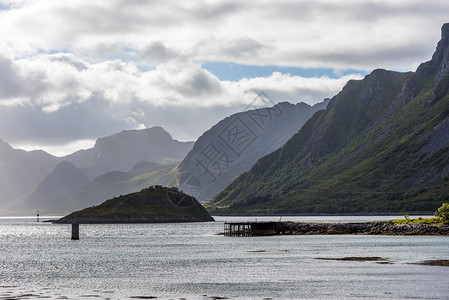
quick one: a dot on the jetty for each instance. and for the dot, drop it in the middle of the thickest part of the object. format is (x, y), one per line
(253, 228)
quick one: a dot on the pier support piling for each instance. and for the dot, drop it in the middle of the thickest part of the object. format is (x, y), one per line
(75, 231)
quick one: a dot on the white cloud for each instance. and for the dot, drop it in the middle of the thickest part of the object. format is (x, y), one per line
(76, 70)
(286, 87)
(59, 98)
(57, 80)
(323, 33)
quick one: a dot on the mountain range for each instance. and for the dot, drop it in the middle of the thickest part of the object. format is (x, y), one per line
(234, 145)
(21, 171)
(39, 181)
(381, 146)
(132, 160)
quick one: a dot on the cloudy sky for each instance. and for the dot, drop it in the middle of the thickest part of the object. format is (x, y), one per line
(73, 71)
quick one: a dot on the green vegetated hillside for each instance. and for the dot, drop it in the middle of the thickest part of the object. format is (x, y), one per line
(381, 146)
(151, 205)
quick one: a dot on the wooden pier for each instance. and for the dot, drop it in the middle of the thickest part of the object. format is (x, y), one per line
(252, 228)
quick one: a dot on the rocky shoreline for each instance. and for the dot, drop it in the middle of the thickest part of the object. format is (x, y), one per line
(366, 228)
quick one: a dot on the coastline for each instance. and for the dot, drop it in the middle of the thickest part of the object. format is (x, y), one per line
(364, 228)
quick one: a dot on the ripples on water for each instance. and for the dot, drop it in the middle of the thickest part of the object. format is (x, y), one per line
(190, 260)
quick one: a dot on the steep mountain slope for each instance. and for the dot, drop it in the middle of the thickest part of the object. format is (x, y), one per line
(62, 184)
(121, 151)
(21, 171)
(117, 183)
(67, 188)
(234, 144)
(381, 146)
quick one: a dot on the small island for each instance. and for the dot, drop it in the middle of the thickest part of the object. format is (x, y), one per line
(156, 204)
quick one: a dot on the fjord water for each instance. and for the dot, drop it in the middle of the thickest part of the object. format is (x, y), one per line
(173, 261)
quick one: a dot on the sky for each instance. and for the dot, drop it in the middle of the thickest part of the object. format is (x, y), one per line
(74, 71)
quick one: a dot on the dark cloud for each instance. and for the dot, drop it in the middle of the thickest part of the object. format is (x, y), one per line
(96, 118)
(15, 84)
(89, 120)
(216, 11)
(116, 18)
(199, 83)
(9, 80)
(233, 49)
(383, 57)
(352, 12)
(157, 53)
(69, 59)
(243, 48)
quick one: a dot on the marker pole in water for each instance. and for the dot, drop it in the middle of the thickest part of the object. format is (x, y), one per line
(38, 216)
(75, 231)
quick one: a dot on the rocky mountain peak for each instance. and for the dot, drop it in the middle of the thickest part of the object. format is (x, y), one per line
(439, 56)
(445, 33)
(437, 67)
(155, 132)
(442, 55)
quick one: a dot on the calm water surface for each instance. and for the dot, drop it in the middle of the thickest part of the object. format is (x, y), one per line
(174, 261)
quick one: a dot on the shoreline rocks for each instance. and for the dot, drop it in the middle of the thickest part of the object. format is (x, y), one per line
(367, 228)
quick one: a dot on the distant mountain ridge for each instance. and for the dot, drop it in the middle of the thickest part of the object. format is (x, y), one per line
(135, 159)
(121, 151)
(59, 186)
(39, 181)
(234, 144)
(21, 171)
(381, 146)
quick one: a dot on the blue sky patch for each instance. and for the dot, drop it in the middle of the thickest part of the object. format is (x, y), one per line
(235, 72)
(4, 6)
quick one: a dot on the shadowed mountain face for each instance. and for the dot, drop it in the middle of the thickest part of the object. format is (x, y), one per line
(234, 144)
(38, 181)
(115, 183)
(21, 171)
(62, 184)
(381, 146)
(121, 151)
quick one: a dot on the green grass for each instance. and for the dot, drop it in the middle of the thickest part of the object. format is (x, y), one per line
(429, 221)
